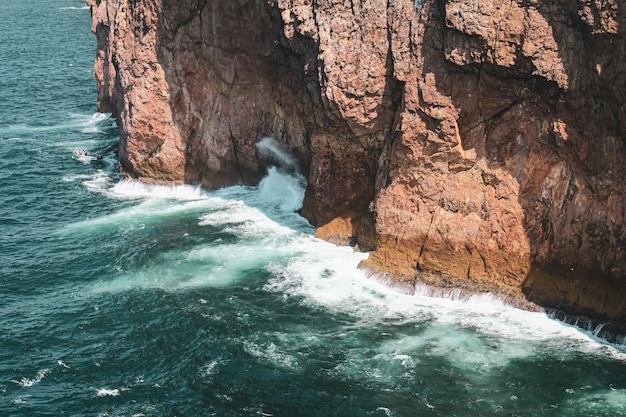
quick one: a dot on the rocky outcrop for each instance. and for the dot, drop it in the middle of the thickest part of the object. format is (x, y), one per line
(469, 144)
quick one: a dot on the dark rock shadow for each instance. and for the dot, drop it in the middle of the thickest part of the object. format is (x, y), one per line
(571, 172)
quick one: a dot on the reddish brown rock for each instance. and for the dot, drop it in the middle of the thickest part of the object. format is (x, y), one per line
(132, 85)
(467, 144)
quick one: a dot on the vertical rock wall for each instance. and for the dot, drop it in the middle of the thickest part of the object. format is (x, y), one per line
(132, 84)
(469, 144)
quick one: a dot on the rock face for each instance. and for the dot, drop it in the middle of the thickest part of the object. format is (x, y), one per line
(469, 144)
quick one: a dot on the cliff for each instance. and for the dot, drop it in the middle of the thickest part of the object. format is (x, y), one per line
(467, 144)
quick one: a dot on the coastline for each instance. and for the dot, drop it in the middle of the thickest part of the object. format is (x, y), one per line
(473, 166)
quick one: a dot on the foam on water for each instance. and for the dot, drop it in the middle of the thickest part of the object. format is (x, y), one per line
(270, 353)
(478, 336)
(136, 217)
(318, 272)
(29, 382)
(284, 185)
(592, 402)
(106, 392)
(328, 276)
(258, 216)
(155, 202)
(96, 182)
(20, 400)
(93, 123)
(135, 190)
(243, 220)
(210, 368)
(63, 364)
(74, 8)
(79, 177)
(217, 265)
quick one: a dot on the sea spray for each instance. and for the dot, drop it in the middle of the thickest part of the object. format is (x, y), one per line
(132, 189)
(285, 191)
(29, 382)
(277, 154)
(284, 185)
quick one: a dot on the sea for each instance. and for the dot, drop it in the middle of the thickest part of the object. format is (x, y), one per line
(124, 299)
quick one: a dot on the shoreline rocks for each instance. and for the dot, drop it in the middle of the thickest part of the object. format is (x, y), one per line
(465, 144)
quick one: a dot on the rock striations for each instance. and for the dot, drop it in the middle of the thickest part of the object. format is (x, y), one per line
(477, 145)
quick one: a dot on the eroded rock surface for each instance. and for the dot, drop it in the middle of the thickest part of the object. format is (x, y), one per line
(468, 144)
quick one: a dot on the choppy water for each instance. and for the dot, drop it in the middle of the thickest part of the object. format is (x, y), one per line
(119, 299)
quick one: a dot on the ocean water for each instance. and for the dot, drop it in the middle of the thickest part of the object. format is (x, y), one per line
(121, 299)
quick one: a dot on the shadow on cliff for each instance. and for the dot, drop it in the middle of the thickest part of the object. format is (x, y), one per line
(585, 274)
(231, 83)
(568, 149)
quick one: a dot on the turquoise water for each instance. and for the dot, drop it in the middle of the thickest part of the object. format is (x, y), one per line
(120, 299)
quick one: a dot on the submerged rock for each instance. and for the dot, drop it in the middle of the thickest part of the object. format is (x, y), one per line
(467, 144)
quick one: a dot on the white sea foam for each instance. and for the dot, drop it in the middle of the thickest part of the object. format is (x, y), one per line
(98, 182)
(77, 177)
(283, 186)
(95, 122)
(324, 275)
(272, 354)
(20, 400)
(130, 189)
(386, 410)
(75, 8)
(244, 221)
(209, 369)
(327, 276)
(215, 265)
(260, 222)
(63, 364)
(91, 124)
(106, 392)
(145, 213)
(27, 382)
(592, 401)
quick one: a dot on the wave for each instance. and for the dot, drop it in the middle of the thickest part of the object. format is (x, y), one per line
(269, 207)
(106, 392)
(85, 7)
(328, 277)
(588, 401)
(91, 123)
(216, 265)
(243, 220)
(146, 213)
(285, 192)
(98, 181)
(20, 400)
(136, 190)
(269, 236)
(27, 382)
(269, 352)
